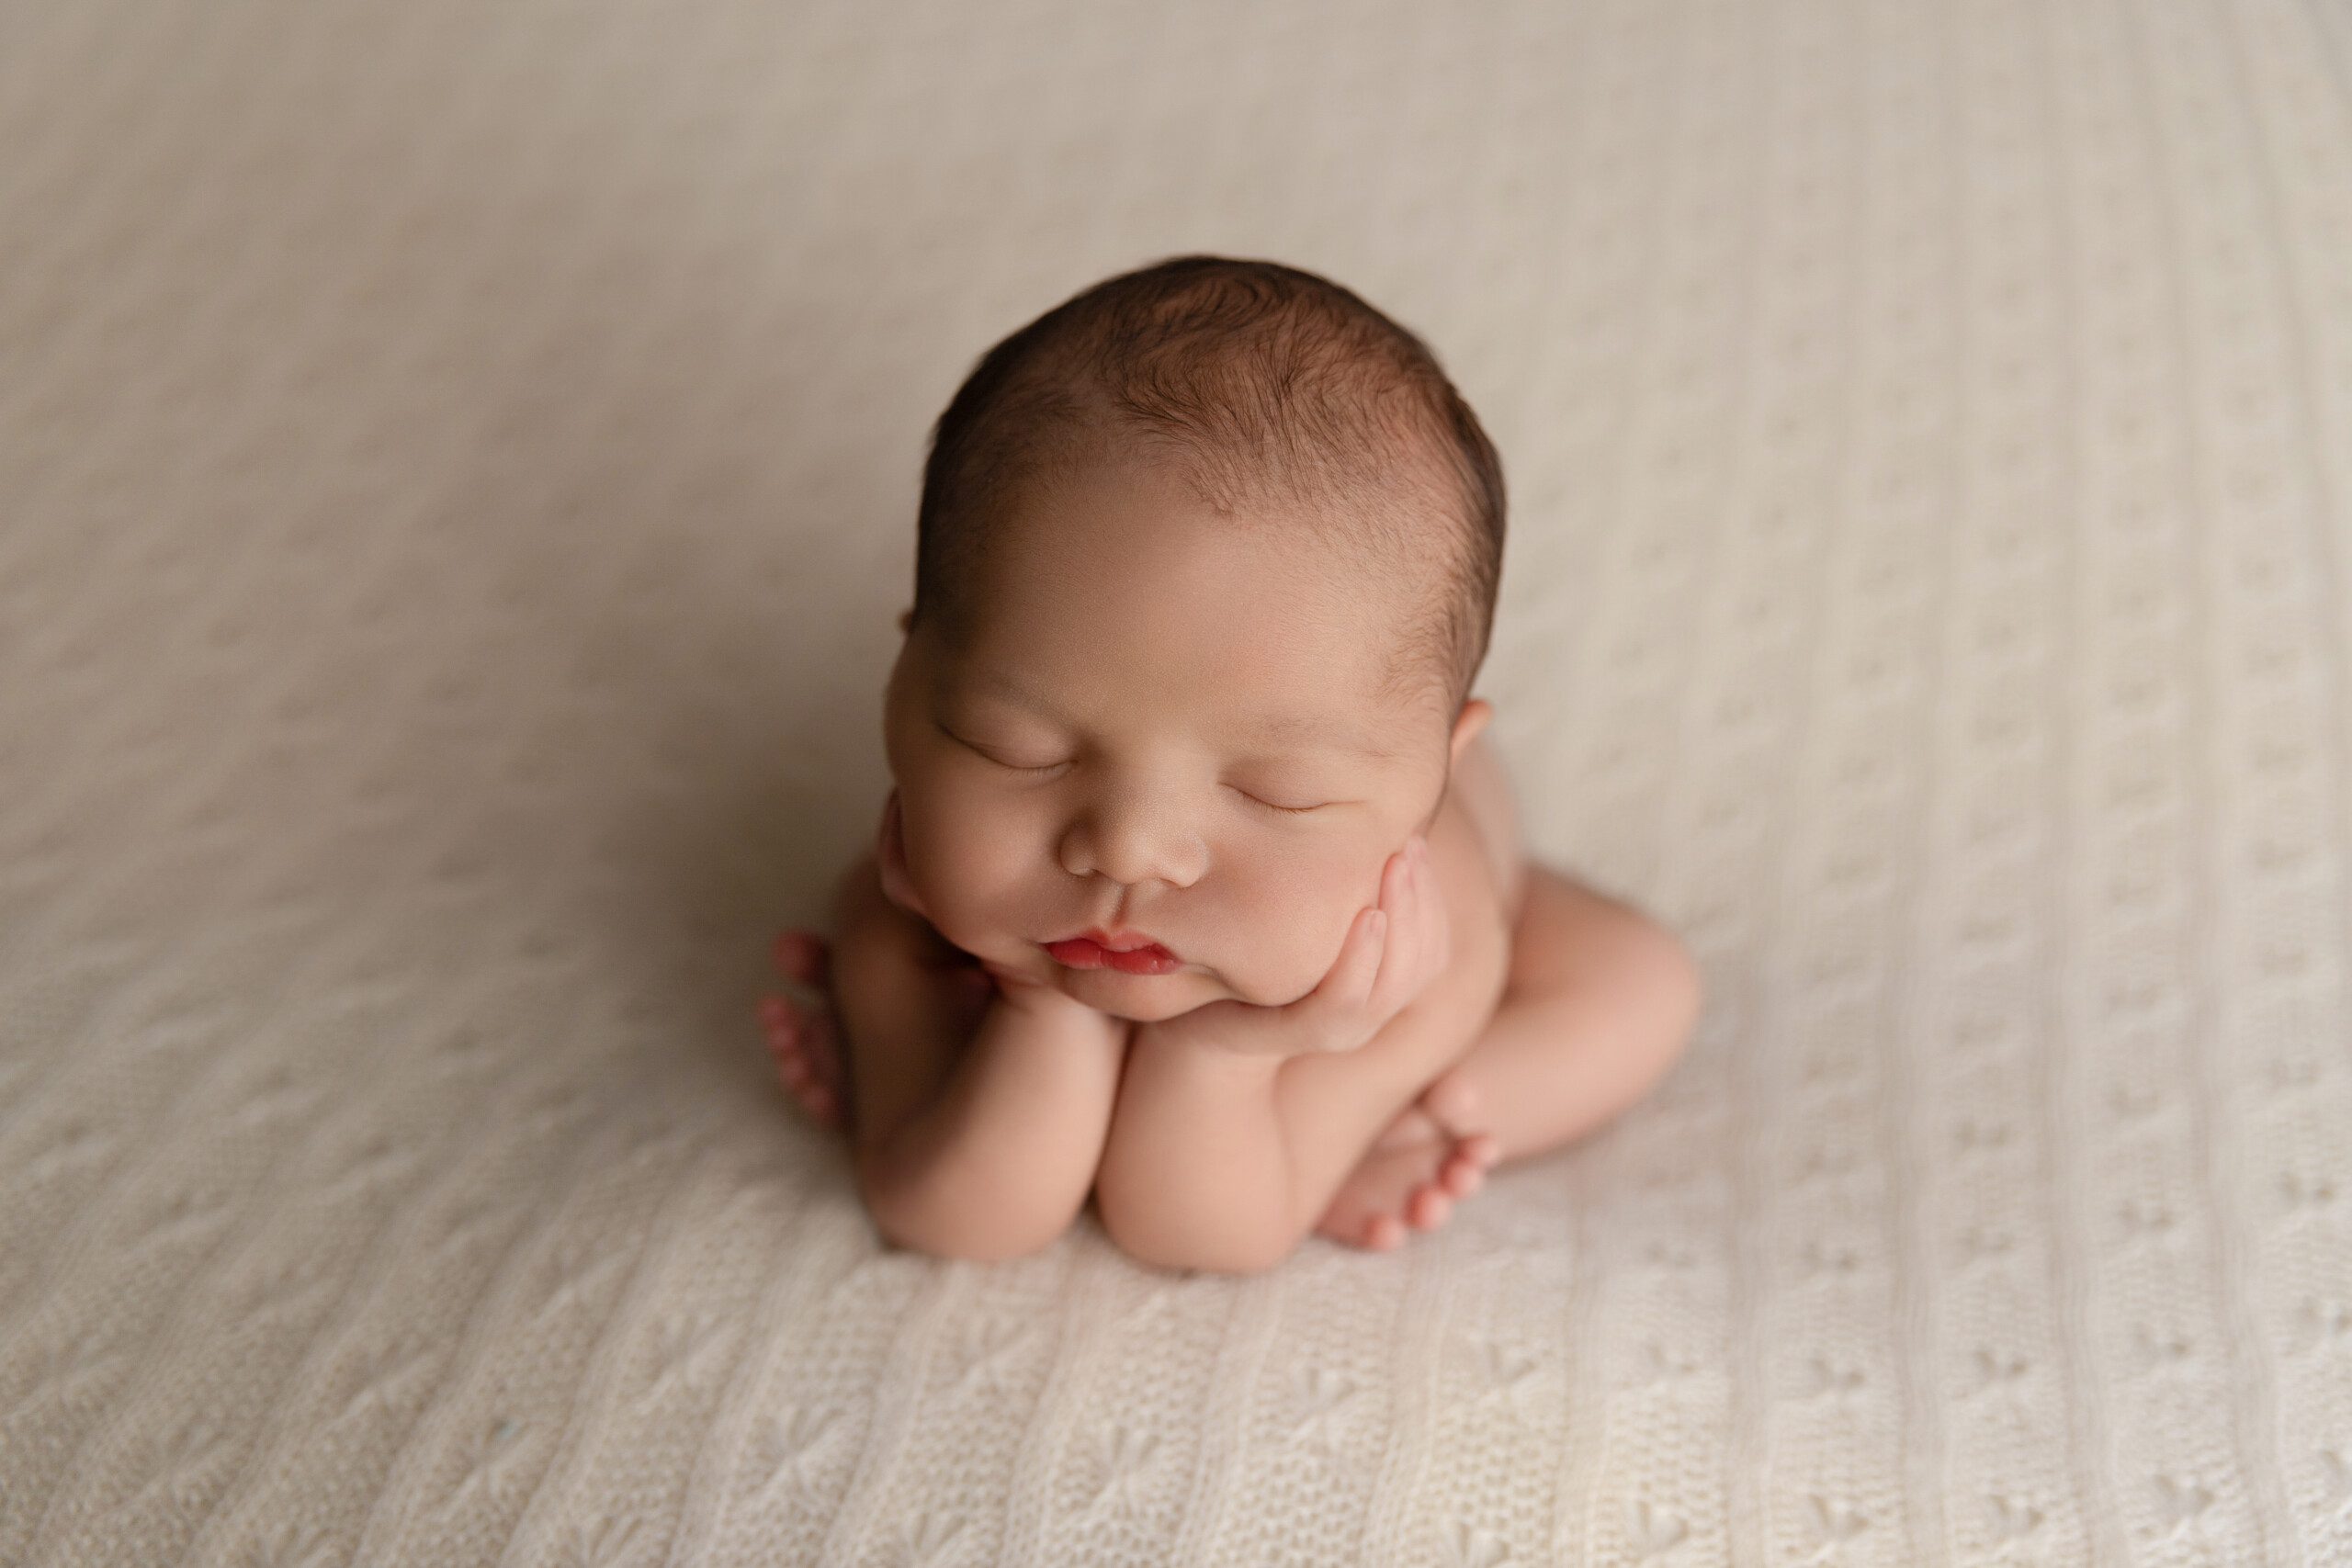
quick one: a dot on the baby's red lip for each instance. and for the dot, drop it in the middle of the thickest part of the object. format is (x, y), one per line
(1117, 941)
(1088, 952)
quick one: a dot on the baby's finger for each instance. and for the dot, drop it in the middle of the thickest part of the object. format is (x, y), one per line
(1436, 926)
(1399, 967)
(1351, 979)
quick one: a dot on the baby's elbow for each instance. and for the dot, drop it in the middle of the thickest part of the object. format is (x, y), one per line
(965, 1244)
(950, 1219)
(1237, 1256)
(1152, 1234)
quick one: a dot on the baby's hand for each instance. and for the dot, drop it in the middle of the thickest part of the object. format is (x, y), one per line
(1039, 998)
(1390, 954)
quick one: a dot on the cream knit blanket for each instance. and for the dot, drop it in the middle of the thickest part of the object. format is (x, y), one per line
(457, 480)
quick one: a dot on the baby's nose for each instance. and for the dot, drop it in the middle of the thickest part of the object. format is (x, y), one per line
(1131, 848)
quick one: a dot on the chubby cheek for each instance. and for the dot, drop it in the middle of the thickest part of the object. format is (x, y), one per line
(969, 872)
(1269, 926)
(1292, 920)
(1316, 937)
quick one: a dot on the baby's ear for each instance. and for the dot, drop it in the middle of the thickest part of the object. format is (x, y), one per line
(1474, 718)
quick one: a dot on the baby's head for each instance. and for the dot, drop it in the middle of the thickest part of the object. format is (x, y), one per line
(1206, 563)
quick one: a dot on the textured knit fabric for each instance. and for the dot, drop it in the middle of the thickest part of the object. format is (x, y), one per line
(458, 467)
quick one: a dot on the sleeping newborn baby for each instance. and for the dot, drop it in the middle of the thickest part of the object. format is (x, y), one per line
(1200, 892)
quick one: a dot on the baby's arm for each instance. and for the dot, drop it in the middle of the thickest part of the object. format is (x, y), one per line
(1000, 1159)
(979, 1144)
(1223, 1157)
(1224, 1161)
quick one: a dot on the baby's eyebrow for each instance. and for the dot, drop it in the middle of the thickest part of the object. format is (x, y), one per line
(1329, 731)
(1326, 729)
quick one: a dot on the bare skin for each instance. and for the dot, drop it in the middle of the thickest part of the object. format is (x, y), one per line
(1408, 1178)
(1592, 982)
(1312, 1072)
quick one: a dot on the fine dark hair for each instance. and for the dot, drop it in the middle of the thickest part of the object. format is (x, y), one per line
(1255, 380)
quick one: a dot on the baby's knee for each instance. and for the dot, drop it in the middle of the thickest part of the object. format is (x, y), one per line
(1634, 984)
(1678, 985)
(1663, 993)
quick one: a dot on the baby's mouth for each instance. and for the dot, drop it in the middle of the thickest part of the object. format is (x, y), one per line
(1086, 953)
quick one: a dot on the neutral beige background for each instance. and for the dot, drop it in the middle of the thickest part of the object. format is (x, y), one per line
(457, 474)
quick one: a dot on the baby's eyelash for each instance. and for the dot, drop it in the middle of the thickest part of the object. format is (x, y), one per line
(1285, 810)
(1008, 767)
(1058, 767)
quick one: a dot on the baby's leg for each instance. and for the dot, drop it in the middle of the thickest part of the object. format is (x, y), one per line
(804, 1034)
(1600, 1002)
(978, 1118)
(800, 1030)
(1224, 1161)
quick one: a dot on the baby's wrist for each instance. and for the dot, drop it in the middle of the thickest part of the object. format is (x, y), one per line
(1043, 1011)
(1226, 1056)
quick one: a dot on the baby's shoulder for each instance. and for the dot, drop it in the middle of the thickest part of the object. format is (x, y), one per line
(1476, 910)
(1480, 820)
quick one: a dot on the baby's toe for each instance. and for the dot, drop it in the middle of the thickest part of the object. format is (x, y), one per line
(1384, 1232)
(806, 1085)
(1428, 1207)
(1482, 1148)
(781, 1024)
(1461, 1176)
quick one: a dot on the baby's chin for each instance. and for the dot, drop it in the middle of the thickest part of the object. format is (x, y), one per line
(1139, 998)
(1150, 998)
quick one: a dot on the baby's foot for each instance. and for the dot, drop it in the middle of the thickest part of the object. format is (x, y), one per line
(801, 1038)
(1410, 1176)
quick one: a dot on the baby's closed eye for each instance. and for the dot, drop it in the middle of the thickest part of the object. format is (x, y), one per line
(1047, 768)
(1288, 810)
